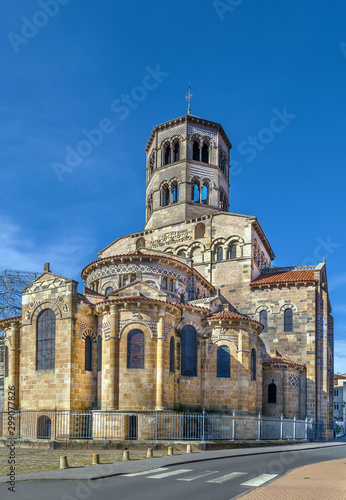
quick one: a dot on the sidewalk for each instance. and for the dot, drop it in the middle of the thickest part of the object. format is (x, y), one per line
(322, 481)
(115, 469)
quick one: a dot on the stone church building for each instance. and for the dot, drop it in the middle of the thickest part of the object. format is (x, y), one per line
(187, 314)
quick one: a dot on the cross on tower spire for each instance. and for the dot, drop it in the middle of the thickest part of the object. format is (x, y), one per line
(188, 97)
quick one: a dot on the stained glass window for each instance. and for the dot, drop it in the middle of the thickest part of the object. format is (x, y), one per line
(264, 320)
(189, 351)
(253, 364)
(288, 320)
(171, 355)
(88, 354)
(135, 349)
(45, 340)
(223, 362)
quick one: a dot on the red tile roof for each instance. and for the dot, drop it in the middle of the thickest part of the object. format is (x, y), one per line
(10, 319)
(277, 360)
(283, 277)
(226, 314)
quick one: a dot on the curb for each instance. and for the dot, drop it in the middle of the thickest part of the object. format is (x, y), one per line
(89, 473)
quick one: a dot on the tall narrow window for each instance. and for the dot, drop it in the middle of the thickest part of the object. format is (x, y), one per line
(164, 284)
(6, 361)
(223, 362)
(271, 393)
(188, 351)
(88, 354)
(175, 193)
(205, 194)
(195, 192)
(165, 196)
(232, 251)
(219, 253)
(288, 320)
(253, 364)
(205, 153)
(195, 152)
(45, 340)
(171, 355)
(135, 349)
(263, 317)
(176, 152)
(99, 353)
(167, 155)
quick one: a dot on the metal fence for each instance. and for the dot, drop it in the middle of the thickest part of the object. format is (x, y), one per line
(153, 425)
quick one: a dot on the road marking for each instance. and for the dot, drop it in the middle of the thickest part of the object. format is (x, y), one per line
(227, 477)
(167, 474)
(144, 472)
(198, 476)
(257, 481)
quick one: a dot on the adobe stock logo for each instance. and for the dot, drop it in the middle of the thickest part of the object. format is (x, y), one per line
(223, 6)
(257, 143)
(40, 19)
(121, 108)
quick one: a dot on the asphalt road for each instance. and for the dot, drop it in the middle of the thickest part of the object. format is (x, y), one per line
(221, 479)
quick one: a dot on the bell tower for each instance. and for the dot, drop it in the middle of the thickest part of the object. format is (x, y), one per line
(187, 171)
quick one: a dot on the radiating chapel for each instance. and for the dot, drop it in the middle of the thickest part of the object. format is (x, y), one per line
(186, 314)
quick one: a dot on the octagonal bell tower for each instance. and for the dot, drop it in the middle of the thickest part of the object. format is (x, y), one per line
(187, 171)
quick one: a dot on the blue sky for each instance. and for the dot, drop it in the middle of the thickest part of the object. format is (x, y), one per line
(66, 71)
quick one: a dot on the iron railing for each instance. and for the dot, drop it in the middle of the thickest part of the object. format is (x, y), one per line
(153, 425)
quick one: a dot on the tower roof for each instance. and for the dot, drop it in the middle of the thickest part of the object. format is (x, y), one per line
(191, 119)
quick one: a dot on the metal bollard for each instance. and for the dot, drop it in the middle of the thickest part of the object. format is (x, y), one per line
(96, 459)
(150, 453)
(63, 463)
(126, 455)
(170, 450)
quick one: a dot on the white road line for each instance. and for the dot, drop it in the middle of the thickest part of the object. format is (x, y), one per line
(146, 472)
(257, 481)
(198, 476)
(167, 474)
(227, 477)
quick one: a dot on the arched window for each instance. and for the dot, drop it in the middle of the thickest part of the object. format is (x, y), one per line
(288, 320)
(6, 361)
(88, 354)
(205, 153)
(175, 193)
(223, 202)
(164, 284)
(232, 251)
(171, 355)
(135, 349)
(195, 192)
(149, 206)
(167, 155)
(165, 196)
(195, 151)
(45, 340)
(99, 353)
(271, 393)
(182, 253)
(188, 351)
(108, 291)
(253, 364)
(140, 243)
(219, 253)
(205, 194)
(263, 317)
(44, 425)
(176, 152)
(223, 362)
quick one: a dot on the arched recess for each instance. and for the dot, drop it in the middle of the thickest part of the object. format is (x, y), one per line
(137, 325)
(195, 252)
(109, 284)
(199, 230)
(140, 243)
(44, 425)
(47, 305)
